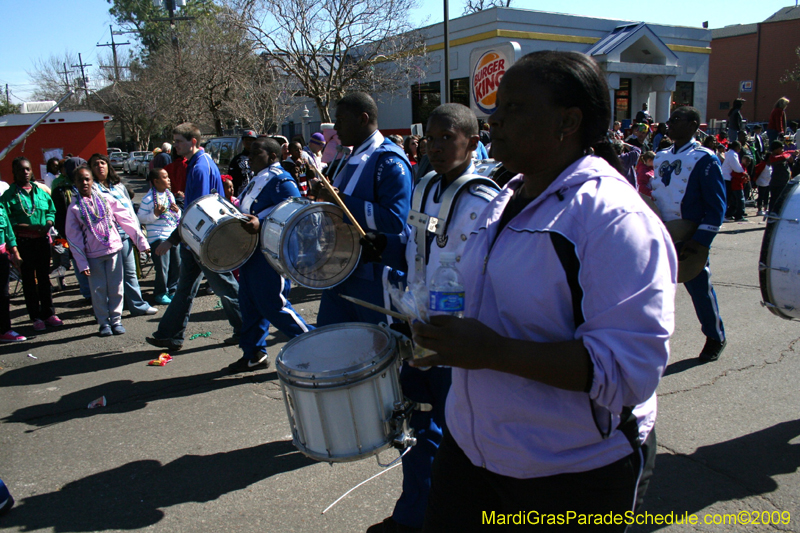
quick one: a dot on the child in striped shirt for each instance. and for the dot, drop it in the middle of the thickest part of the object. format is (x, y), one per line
(160, 215)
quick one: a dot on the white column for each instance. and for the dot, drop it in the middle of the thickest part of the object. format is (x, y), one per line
(613, 85)
(663, 104)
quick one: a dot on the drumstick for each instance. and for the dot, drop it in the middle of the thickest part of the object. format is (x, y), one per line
(340, 203)
(377, 308)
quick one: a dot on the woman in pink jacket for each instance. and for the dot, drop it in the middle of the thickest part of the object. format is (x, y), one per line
(93, 237)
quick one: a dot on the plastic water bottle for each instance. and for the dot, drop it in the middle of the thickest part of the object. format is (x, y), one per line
(447, 288)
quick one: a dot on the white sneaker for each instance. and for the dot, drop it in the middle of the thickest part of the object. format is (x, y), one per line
(760, 214)
(151, 311)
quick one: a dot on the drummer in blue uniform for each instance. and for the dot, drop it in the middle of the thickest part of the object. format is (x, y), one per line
(375, 185)
(688, 185)
(263, 293)
(452, 138)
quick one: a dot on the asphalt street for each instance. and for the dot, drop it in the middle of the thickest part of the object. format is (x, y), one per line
(187, 447)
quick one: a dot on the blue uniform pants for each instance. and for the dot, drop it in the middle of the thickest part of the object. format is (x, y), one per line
(263, 299)
(705, 304)
(336, 310)
(423, 386)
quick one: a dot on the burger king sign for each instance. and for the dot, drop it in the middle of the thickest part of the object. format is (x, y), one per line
(488, 66)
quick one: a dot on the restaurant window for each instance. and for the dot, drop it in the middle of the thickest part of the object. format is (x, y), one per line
(622, 100)
(425, 97)
(459, 91)
(683, 95)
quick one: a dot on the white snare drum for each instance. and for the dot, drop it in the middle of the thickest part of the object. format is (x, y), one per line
(341, 387)
(211, 227)
(310, 243)
(779, 262)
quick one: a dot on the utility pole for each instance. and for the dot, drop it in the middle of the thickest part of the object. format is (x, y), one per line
(8, 102)
(81, 64)
(113, 46)
(65, 72)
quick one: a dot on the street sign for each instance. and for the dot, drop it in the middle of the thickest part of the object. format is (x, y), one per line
(746, 86)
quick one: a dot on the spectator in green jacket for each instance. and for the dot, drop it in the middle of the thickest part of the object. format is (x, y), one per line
(8, 249)
(32, 214)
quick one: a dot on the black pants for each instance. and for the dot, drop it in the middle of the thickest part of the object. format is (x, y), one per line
(35, 273)
(5, 316)
(464, 497)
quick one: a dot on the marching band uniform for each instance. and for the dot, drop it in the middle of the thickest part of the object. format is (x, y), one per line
(376, 183)
(431, 386)
(263, 293)
(689, 185)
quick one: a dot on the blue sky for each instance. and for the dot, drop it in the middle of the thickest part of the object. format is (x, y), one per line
(44, 27)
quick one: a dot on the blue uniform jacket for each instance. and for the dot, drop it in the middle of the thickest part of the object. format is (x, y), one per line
(382, 196)
(701, 196)
(278, 187)
(380, 204)
(202, 176)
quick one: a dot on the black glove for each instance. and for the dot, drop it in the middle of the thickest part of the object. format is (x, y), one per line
(372, 247)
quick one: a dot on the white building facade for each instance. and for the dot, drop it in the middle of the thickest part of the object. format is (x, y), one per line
(663, 66)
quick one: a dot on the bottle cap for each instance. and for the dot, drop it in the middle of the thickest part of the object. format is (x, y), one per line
(447, 257)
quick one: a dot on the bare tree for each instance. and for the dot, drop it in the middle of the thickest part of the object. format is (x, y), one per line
(329, 47)
(265, 96)
(51, 80)
(473, 6)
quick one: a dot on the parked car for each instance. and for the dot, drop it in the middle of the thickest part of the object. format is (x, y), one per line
(222, 150)
(118, 159)
(131, 164)
(111, 150)
(144, 165)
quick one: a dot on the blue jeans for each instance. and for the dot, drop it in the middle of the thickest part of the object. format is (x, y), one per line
(173, 324)
(133, 294)
(167, 267)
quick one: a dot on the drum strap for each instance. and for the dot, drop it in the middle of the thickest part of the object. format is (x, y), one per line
(430, 226)
(628, 425)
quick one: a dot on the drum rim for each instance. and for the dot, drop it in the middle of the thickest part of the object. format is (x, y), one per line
(339, 378)
(337, 458)
(292, 273)
(766, 250)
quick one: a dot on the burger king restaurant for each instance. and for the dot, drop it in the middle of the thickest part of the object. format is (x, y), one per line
(663, 66)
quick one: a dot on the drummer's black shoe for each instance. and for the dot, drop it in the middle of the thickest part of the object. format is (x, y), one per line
(712, 350)
(390, 526)
(249, 365)
(164, 343)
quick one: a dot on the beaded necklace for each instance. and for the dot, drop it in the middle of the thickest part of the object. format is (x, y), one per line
(97, 215)
(22, 203)
(163, 201)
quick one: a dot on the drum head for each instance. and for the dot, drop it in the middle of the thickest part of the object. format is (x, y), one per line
(227, 247)
(779, 260)
(335, 355)
(319, 249)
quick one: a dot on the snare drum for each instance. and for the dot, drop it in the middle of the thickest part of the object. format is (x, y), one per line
(310, 243)
(211, 227)
(779, 262)
(341, 385)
